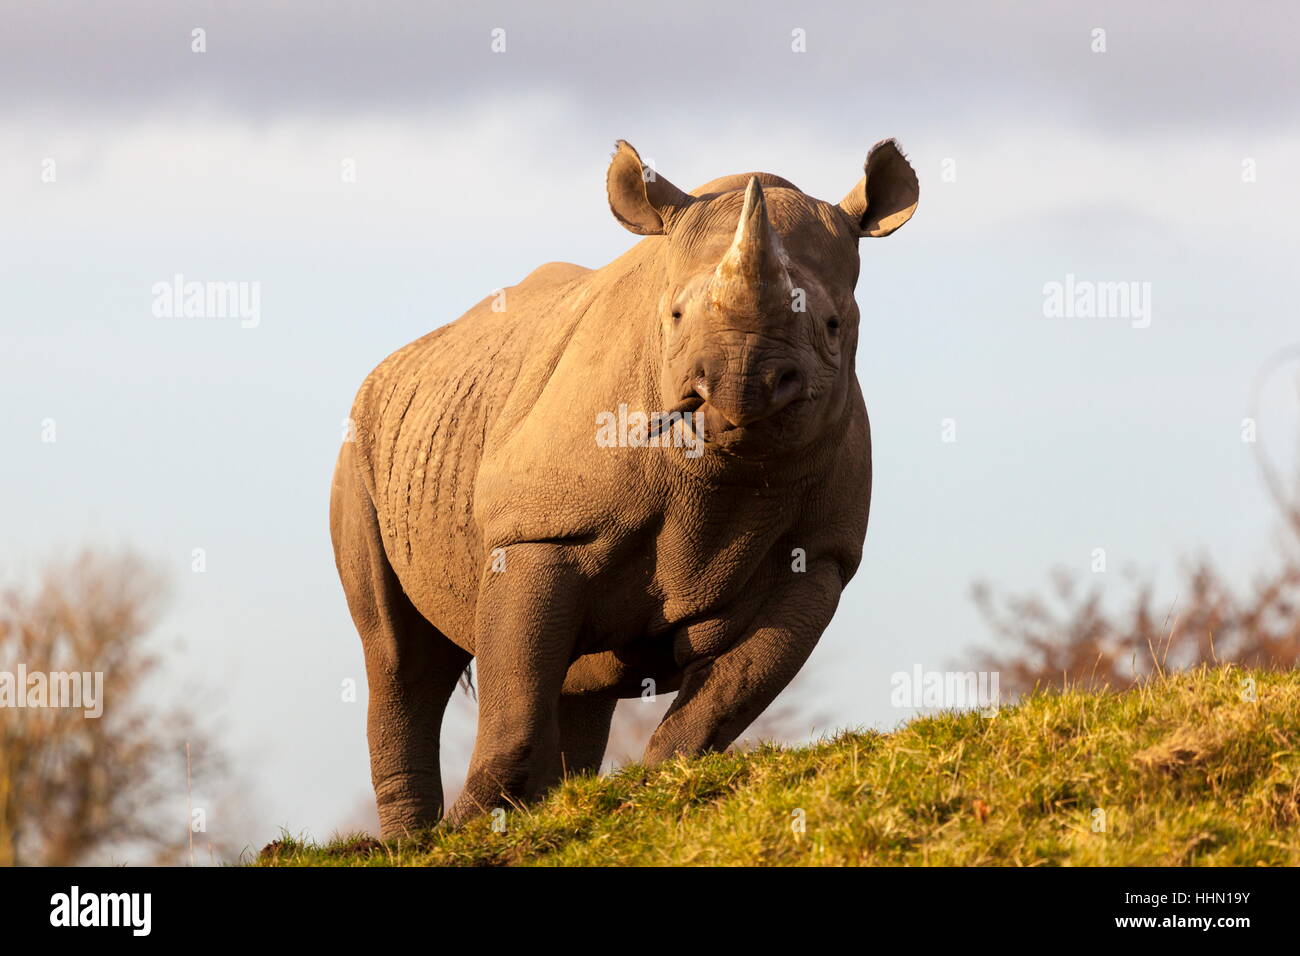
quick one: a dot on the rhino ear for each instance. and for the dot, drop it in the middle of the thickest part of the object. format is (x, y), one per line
(642, 200)
(887, 194)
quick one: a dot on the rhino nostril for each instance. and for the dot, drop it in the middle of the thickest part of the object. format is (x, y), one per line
(789, 383)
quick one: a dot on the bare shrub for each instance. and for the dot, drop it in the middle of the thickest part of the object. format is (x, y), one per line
(76, 789)
(1071, 638)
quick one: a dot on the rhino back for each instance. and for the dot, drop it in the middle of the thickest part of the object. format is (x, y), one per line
(424, 417)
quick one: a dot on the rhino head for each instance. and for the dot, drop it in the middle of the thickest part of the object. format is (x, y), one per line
(758, 322)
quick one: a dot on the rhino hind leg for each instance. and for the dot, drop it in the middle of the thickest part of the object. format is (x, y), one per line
(411, 667)
(584, 733)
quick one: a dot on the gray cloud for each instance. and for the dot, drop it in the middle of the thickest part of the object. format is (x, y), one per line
(1168, 65)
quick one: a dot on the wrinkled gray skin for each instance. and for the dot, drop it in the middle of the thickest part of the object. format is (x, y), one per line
(475, 515)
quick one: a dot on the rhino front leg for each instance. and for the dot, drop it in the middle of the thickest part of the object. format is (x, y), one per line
(721, 696)
(528, 619)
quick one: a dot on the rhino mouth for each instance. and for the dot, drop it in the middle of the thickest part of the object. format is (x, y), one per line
(716, 428)
(689, 405)
(684, 411)
(715, 422)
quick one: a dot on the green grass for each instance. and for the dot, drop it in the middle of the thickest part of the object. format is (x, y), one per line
(1185, 770)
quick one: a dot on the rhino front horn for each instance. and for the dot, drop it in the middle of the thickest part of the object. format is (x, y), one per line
(752, 276)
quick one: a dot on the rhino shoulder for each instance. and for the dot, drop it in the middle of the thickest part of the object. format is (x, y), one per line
(551, 273)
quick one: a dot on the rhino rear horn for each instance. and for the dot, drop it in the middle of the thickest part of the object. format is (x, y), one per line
(642, 200)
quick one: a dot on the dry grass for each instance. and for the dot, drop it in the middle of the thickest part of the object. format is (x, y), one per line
(1198, 768)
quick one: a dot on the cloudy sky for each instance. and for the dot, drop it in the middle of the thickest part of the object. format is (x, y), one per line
(126, 157)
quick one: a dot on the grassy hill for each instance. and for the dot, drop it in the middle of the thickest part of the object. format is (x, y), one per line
(1184, 770)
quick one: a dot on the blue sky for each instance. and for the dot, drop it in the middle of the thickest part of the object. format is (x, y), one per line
(474, 167)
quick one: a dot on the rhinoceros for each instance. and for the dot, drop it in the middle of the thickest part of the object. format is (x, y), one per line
(650, 476)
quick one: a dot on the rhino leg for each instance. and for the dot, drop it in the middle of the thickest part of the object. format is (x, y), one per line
(524, 635)
(412, 669)
(584, 733)
(721, 696)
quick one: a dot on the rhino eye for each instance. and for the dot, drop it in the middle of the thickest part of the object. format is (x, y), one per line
(833, 323)
(677, 315)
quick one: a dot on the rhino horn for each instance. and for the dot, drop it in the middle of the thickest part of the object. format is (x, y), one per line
(752, 275)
